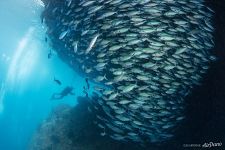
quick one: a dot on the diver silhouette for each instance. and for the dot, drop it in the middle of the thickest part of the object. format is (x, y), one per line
(66, 91)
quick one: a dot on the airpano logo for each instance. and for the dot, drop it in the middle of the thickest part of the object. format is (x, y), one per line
(212, 144)
(205, 145)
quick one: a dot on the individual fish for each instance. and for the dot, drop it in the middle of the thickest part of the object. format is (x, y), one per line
(92, 43)
(85, 91)
(69, 3)
(46, 39)
(63, 34)
(87, 83)
(129, 88)
(57, 81)
(75, 46)
(50, 54)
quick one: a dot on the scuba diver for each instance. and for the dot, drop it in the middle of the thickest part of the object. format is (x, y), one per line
(66, 91)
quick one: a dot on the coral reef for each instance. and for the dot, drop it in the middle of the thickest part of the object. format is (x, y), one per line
(73, 128)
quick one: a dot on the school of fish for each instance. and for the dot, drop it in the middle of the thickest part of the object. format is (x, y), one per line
(146, 55)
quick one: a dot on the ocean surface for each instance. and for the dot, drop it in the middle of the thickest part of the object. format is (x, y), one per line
(29, 78)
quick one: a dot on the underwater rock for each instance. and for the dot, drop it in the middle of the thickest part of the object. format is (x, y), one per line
(72, 128)
(149, 55)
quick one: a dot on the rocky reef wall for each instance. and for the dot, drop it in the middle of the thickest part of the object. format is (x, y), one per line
(74, 128)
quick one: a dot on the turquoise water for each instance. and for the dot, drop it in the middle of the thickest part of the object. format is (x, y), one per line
(26, 74)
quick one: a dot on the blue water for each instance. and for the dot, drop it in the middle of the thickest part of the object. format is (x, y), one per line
(26, 74)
